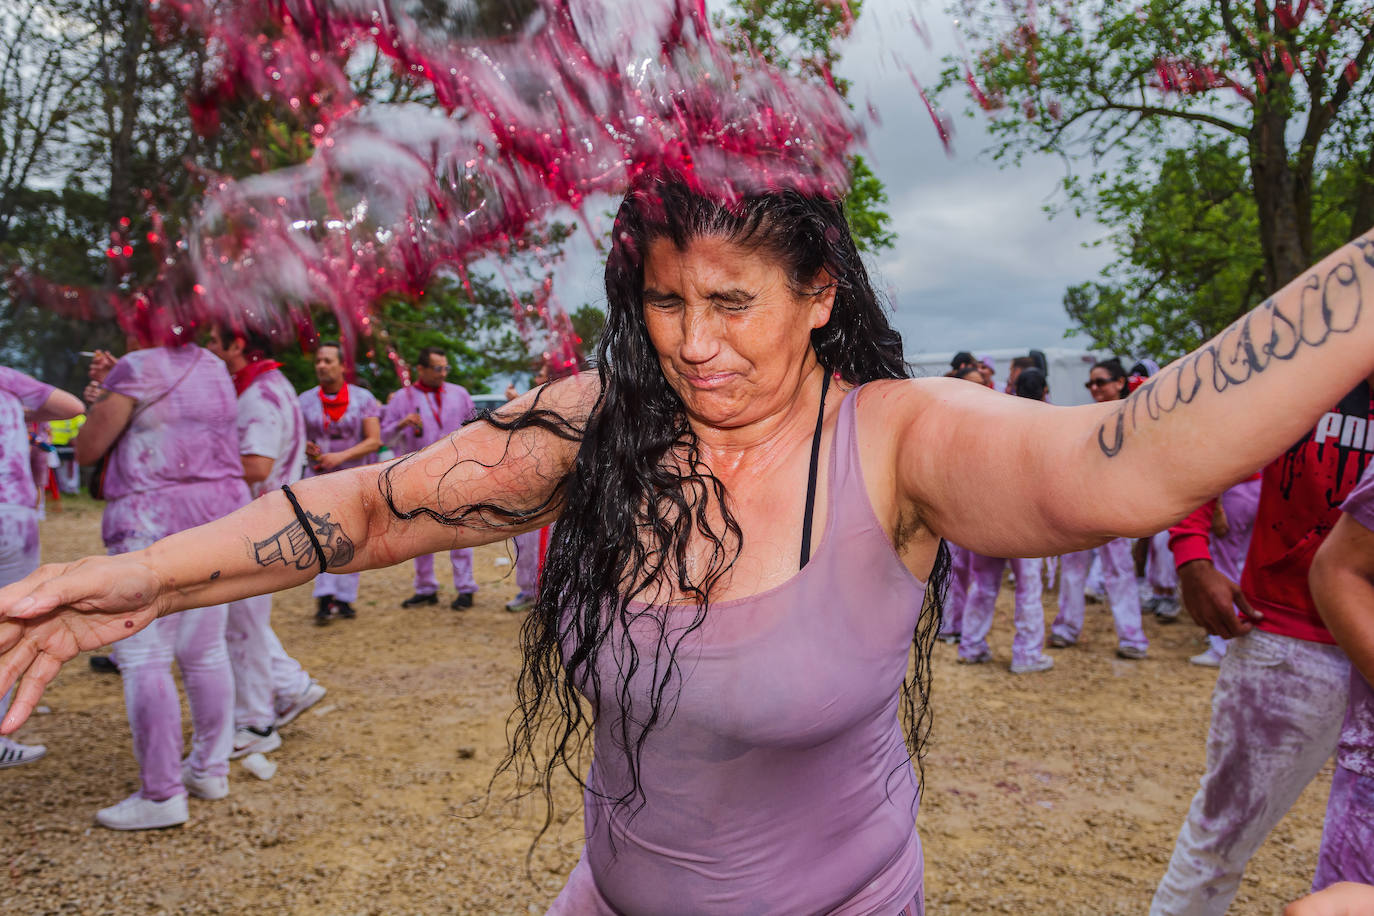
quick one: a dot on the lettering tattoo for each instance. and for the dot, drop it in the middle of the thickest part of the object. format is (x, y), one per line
(1327, 305)
(291, 545)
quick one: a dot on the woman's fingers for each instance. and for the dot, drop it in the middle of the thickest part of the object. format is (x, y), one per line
(39, 674)
(15, 661)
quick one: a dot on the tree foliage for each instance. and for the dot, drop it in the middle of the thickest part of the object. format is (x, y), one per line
(801, 36)
(104, 121)
(1227, 145)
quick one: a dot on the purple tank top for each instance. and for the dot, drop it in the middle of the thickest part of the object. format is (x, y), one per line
(780, 781)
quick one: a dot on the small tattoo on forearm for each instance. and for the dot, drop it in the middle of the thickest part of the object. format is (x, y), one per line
(214, 575)
(1328, 305)
(291, 545)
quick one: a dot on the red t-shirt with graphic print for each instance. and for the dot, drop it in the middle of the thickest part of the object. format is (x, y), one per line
(1300, 502)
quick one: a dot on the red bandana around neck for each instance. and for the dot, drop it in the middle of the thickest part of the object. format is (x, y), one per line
(335, 405)
(436, 407)
(245, 376)
(438, 392)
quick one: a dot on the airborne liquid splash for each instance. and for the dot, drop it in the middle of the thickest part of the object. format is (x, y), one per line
(541, 103)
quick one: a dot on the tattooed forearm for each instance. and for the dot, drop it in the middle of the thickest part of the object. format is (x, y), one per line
(291, 545)
(1328, 305)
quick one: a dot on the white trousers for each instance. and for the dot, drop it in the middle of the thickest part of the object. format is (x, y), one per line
(18, 556)
(265, 677)
(1276, 715)
(339, 586)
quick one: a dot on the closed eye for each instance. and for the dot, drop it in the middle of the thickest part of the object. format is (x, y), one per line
(655, 299)
(732, 300)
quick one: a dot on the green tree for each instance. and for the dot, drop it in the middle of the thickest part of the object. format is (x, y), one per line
(800, 36)
(1227, 145)
(95, 126)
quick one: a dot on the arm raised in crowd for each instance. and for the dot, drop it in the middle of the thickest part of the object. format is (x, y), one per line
(1342, 582)
(1012, 477)
(480, 485)
(60, 405)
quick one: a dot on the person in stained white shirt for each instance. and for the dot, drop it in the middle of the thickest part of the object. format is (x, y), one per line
(416, 417)
(270, 687)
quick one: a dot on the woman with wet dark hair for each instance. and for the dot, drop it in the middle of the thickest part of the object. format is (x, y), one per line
(751, 499)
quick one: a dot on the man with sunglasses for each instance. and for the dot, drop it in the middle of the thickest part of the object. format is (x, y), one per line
(416, 417)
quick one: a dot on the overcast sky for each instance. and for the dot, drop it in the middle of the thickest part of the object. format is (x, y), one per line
(978, 264)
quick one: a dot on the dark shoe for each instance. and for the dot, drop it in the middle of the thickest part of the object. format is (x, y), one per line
(1130, 652)
(462, 602)
(1059, 642)
(104, 664)
(344, 610)
(322, 609)
(418, 599)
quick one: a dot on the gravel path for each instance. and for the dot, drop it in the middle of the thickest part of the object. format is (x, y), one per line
(1057, 793)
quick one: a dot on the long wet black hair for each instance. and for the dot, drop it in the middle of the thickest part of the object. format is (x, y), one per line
(638, 492)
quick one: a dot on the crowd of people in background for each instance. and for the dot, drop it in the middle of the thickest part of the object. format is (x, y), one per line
(154, 430)
(1254, 568)
(178, 435)
(1130, 577)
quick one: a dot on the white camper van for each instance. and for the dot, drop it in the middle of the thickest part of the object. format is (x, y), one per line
(1068, 369)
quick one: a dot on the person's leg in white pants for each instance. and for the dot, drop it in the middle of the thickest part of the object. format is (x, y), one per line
(18, 558)
(1073, 572)
(339, 586)
(1028, 643)
(262, 669)
(196, 639)
(1276, 715)
(1118, 576)
(985, 580)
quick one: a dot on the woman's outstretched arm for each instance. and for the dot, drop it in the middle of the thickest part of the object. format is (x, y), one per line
(480, 485)
(1011, 477)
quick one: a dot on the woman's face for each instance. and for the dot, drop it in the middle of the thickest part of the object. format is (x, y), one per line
(1103, 386)
(732, 338)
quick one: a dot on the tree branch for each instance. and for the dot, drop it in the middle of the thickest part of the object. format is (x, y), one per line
(1159, 111)
(1228, 20)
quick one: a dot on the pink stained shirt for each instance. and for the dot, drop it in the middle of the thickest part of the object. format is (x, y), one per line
(1192, 538)
(176, 465)
(778, 780)
(18, 393)
(440, 417)
(1356, 748)
(270, 425)
(347, 432)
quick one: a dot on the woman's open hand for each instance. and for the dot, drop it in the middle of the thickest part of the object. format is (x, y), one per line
(62, 609)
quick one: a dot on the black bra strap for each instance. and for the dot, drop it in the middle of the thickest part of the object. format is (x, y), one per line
(811, 475)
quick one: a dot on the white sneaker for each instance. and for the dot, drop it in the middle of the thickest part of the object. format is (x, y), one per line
(254, 741)
(210, 788)
(139, 813)
(1208, 659)
(1043, 663)
(312, 694)
(13, 754)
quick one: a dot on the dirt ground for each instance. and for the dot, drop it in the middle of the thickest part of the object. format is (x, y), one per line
(1059, 792)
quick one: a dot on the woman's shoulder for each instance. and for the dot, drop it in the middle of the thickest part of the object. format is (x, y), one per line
(891, 396)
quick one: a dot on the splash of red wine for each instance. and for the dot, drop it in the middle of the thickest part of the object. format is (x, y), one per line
(578, 99)
(568, 99)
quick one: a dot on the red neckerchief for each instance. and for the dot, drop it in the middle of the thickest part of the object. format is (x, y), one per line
(335, 405)
(438, 400)
(245, 376)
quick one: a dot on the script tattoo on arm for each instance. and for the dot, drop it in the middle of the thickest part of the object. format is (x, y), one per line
(291, 545)
(1328, 305)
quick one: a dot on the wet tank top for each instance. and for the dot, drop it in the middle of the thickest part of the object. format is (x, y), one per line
(780, 781)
